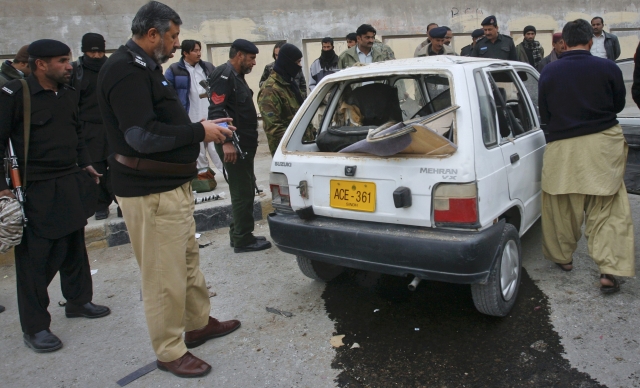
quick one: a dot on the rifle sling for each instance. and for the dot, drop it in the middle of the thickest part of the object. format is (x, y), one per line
(26, 103)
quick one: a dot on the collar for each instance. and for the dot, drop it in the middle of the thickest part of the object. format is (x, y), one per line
(572, 53)
(233, 69)
(133, 46)
(603, 35)
(35, 87)
(358, 52)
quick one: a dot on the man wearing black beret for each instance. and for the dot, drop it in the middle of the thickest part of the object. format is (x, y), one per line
(529, 50)
(85, 81)
(60, 194)
(475, 35)
(232, 97)
(494, 44)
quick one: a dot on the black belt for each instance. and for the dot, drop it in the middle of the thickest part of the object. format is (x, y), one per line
(149, 165)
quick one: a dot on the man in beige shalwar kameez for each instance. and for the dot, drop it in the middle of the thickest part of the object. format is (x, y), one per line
(583, 168)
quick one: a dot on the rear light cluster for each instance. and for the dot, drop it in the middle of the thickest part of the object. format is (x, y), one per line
(455, 204)
(279, 185)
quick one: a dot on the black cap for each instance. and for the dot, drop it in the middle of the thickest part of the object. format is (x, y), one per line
(245, 45)
(92, 42)
(477, 33)
(489, 20)
(438, 32)
(45, 48)
(529, 28)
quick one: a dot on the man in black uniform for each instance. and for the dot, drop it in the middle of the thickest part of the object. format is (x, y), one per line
(475, 35)
(232, 97)
(85, 81)
(494, 44)
(155, 147)
(60, 193)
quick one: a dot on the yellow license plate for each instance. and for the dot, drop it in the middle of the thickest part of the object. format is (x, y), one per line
(353, 195)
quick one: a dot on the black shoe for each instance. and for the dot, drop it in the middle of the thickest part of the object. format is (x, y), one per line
(119, 212)
(42, 342)
(1, 309)
(258, 238)
(87, 310)
(258, 245)
(102, 214)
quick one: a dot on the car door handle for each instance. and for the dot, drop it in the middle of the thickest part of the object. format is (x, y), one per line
(514, 158)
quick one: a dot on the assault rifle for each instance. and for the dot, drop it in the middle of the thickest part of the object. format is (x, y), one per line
(235, 140)
(13, 173)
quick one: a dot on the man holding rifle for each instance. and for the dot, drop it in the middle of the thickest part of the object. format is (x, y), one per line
(232, 97)
(59, 192)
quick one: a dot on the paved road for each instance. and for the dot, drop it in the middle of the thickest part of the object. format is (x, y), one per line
(580, 338)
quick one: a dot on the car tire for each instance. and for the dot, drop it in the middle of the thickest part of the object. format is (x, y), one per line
(498, 295)
(318, 270)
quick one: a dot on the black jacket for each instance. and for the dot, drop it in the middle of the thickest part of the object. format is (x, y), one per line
(231, 95)
(60, 196)
(144, 119)
(635, 88)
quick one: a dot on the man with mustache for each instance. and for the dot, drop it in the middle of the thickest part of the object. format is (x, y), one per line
(60, 192)
(155, 147)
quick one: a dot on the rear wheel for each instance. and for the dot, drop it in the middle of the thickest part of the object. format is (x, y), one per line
(318, 270)
(499, 294)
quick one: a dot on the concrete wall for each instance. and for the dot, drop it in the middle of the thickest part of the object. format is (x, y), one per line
(216, 24)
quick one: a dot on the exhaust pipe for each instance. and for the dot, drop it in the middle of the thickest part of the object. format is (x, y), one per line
(414, 284)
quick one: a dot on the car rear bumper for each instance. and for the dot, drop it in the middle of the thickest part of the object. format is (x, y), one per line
(435, 254)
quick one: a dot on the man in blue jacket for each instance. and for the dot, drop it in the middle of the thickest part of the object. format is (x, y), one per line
(185, 76)
(583, 167)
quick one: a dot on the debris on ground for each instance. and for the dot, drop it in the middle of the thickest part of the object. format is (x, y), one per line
(110, 296)
(198, 235)
(525, 357)
(62, 304)
(336, 341)
(212, 294)
(376, 310)
(537, 308)
(278, 312)
(540, 346)
(94, 271)
(355, 345)
(204, 244)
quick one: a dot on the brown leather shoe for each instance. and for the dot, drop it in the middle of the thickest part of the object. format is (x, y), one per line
(186, 366)
(213, 329)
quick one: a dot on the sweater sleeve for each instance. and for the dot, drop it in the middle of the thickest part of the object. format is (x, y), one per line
(619, 90)
(142, 131)
(542, 102)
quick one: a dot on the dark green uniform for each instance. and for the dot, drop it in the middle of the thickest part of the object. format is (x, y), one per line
(502, 48)
(232, 97)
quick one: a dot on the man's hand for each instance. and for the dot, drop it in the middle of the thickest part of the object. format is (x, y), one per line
(7, 193)
(230, 153)
(215, 133)
(94, 174)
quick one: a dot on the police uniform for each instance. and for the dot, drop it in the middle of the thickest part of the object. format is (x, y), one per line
(85, 80)
(60, 196)
(502, 48)
(155, 147)
(232, 97)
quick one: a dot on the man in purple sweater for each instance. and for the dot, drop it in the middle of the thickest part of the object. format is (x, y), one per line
(583, 168)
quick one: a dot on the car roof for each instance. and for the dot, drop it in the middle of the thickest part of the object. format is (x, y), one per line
(440, 62)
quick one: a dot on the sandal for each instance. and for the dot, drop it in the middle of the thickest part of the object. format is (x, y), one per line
(563, 268)
(610, 289)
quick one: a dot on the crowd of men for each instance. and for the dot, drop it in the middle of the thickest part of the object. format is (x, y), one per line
(119, 129)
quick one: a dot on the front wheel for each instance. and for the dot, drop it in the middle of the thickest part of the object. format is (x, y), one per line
(318, 270)
(499, 294)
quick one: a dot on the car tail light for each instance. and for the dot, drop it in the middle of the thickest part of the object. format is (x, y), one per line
(455, 204)
(279, 185)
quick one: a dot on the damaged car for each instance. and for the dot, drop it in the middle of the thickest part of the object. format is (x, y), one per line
(428, 168)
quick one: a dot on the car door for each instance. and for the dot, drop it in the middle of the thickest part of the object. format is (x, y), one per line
(522, 141)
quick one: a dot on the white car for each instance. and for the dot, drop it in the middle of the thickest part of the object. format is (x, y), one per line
(454, 218)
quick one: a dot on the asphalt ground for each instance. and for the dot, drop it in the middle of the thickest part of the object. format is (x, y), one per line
(562, 332)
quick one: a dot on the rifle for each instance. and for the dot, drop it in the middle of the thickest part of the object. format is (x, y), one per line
(14, 177)
(235, 140)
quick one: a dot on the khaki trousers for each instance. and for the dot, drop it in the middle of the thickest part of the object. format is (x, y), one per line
(162, 232)
(608, 228)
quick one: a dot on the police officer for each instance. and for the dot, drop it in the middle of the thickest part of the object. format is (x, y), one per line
(232, 97)
(155, 147)
(494, 44)
(85, 81)
(475, 35)
(60, 193)
(437, 44)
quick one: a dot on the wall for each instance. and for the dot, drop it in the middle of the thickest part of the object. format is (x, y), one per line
(401, 23)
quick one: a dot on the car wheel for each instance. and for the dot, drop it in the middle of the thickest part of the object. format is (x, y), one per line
(499, 294)
(317, 270)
